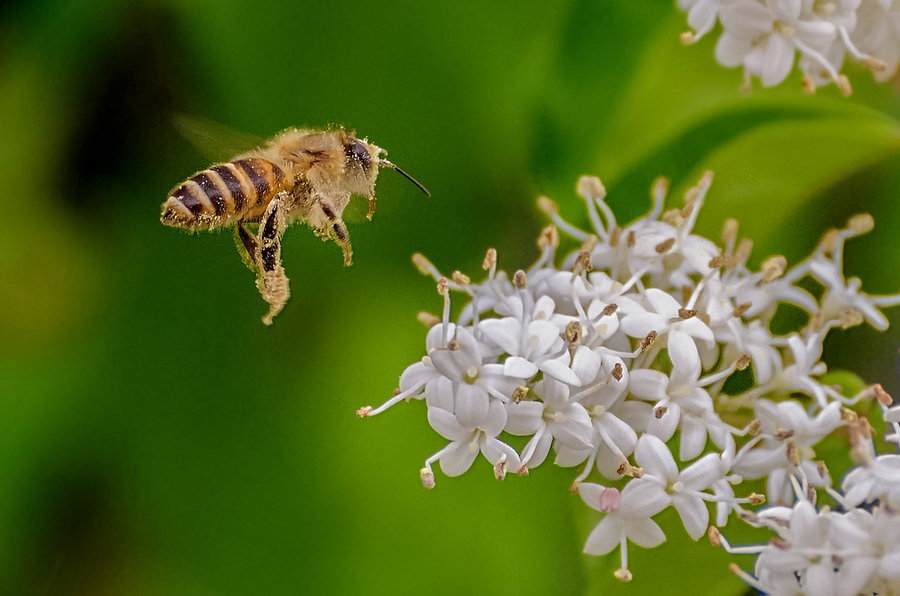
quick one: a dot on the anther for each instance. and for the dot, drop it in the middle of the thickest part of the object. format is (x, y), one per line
(687, 313)
(881, 395)
(422, 264)
(428, 319)
(572, 333)
(660, 411)
(623, 575)
(773, 268)
(520, 280)
(793, 454)
(610, 309)
(729, 230)
(461, 278)
(443, 286)
(756, 499)
(547, 206)
(718, 261)
(743, 362)
(687, 38)
(490, 259)
(715, 538)
(781, 435)
(549, 237)
(500, 468)
(427, 477)
(741, 308)
(862, 223)
(519, 393)
(843, 84)
(590, 187)
(364, 411)
(617, 371)
(809, 85)
(753, 427)
(631, 239)
(614, 235)
(648, 340)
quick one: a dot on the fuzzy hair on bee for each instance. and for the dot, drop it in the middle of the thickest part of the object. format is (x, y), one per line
(299, 175)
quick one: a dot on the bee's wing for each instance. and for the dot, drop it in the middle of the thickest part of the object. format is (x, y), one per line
(214, 140)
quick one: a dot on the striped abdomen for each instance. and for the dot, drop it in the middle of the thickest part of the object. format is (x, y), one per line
(224, 194)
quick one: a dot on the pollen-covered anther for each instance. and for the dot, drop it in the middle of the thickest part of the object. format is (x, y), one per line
(876, 64)
(631, 239)
(500, 468)
(687, 38)
(829, 240)
(490, 259)
(461, 278)
(519, 393)
(428, 319)
(648, 340)
(861, 223)
(743, 362)
(783, 434)
(843, 83)
(453, 345)
(744, 248)
(548, 206)
(848, 415)
(623, 575)
(719, 261)
(443, 286)
(364, 411)
(660, 411)
(673, 217)
(773, 268)
(520, 280)
(715, 537)
(427, 477)
(582, 263)
(687, 313)
(422, 264)
(590, 187)
(756, 499)
(573, 332)
(618, 372)
(883, 397)
(614, 236)
(610, 309)
(741, 308)
(822, 469)
(729, 230)
(753, 427)
(549, 237)
(793, 454)
(850, 317)
(809, 85)
(660, 188)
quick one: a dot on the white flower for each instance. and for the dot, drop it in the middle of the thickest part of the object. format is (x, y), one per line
(471, 427)
(627, 518)
(554, 417)
(681, 489)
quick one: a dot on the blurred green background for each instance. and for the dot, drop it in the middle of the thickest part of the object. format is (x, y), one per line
(156, 438)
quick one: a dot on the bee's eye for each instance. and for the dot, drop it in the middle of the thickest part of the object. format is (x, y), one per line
(356, 150)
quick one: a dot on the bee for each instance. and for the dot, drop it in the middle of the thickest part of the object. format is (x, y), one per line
(299, 175)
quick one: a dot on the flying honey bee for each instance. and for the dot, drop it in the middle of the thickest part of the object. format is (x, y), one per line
(300, 175)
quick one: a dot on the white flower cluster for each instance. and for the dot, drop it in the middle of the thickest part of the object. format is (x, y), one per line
(764, 37)
(616, 359)
(854, 549)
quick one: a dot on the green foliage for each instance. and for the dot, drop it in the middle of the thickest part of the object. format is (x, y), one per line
(157, 439)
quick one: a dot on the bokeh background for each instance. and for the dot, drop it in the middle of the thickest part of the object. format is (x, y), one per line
(156, 438)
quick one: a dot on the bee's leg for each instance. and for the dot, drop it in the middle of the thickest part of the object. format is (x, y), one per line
(247, 247)
(273, 284)
(338, 230)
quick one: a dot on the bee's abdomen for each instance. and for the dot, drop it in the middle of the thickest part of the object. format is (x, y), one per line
(224, 194)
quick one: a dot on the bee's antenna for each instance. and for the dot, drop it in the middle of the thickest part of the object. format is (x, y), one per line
(385, 162)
